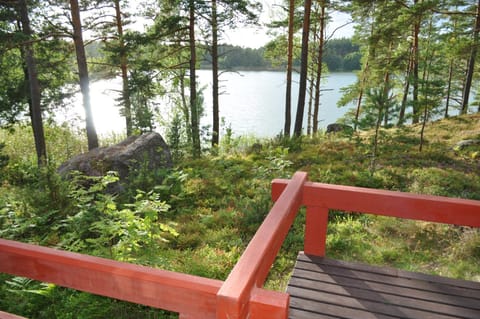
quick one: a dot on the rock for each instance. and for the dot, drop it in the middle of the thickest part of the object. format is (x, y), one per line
(256, 148)
(338, 127)
(149, 149)
(465, 143)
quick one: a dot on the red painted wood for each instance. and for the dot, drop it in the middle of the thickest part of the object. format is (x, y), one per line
(455, 211)
(5, 315)
(268, 304)
(278, 185)
(142, 285)
(252, 268)
(440, 209)
(316, 230)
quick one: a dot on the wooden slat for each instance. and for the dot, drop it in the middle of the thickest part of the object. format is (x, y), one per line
(325, 287)
(385, 273)
(305, 277)
(304, 314)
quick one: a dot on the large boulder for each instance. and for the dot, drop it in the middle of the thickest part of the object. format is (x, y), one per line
(148, 149)
(338, 127)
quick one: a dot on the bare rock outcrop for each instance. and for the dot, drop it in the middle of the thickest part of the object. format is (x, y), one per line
(148, 149)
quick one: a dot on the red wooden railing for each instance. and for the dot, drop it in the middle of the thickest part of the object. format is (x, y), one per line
(241, 295)
(320, 198)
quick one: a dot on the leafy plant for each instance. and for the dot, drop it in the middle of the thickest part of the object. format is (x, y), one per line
(100, 226)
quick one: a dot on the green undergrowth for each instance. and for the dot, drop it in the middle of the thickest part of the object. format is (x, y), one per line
(198, 217)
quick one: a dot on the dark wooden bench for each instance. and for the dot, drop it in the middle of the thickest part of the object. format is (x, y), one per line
(326, 288)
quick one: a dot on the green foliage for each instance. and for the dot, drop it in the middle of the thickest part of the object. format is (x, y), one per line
(347, 237)
(445, 182)
(99, 226)
(341, 55)
(3, 160)
(198, 217)
(235, 57)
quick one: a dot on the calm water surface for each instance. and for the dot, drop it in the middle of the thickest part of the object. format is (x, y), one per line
(252, 102)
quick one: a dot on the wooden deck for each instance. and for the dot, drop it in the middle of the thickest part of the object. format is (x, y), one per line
(327, 288)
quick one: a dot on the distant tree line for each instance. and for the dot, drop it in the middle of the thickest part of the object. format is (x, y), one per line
(341, 55)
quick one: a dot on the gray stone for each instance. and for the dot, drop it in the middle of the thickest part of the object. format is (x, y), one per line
(465, 143)
(148, 149)
(338, 127)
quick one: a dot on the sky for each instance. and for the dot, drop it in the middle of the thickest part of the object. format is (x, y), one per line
(255, 37)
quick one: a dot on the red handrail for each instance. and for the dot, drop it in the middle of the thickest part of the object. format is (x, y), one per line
(319, 198)
(143, 285)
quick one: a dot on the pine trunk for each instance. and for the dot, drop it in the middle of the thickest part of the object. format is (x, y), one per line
(215, 89)
(303, 70)
(471, 63)
(319, 69)
(406, 88)
(127, 108)
(288, 95)
(83, 74)
(35, 95)
(193, 83)
(416, 57)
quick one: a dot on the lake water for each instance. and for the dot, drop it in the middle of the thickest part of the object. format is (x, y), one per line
(252, 102)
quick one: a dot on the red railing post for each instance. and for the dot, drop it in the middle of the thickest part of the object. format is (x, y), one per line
(316, 224)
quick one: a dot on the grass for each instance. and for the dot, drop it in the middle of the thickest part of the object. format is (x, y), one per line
(217, 203)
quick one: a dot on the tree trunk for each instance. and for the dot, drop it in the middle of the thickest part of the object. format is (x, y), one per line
(386, 90)
(377, 129)
(193, 83)
(83, 74)
(35, 95)
(360, 95)
(386, 87)
(185, 109)
(319, 68)
(127, 108)
(406, 88)
(416, 32)
(449, 88)
(304, 70)
(310, 103)
(288, 94)
(471, 63)
(215, 89)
